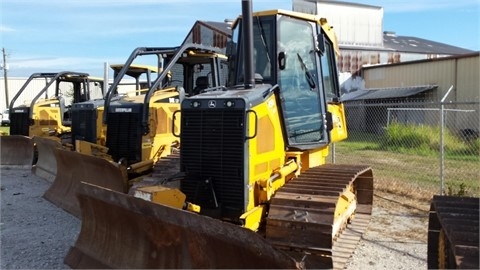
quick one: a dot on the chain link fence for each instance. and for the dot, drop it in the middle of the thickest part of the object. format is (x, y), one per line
(416, 149)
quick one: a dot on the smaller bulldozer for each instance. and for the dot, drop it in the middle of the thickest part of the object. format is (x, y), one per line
(139, 126)
(89, 131)
(41, 108)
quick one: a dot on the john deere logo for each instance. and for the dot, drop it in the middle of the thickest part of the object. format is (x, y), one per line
(212, 104)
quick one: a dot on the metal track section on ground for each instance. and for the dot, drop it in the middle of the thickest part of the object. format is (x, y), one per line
(302, 221)
(453, 233)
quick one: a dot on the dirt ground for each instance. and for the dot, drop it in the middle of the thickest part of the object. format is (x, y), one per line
(35, 234)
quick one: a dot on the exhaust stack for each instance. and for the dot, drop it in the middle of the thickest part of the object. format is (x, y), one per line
(247, 28)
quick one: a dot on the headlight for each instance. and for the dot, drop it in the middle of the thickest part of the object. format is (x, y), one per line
(196, 104)
(230, 103)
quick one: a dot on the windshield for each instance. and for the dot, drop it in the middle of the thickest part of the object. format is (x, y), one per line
(298, 82)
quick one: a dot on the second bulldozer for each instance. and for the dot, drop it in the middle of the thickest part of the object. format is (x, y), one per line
(250, 187)
(140, 127)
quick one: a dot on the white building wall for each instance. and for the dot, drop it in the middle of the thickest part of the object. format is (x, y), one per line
(33, 88)
(15, 84)
(354, 24)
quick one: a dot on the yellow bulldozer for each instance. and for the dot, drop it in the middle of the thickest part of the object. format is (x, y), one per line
(250, 187)
(138, 128)
(41, 109)
(89, 131)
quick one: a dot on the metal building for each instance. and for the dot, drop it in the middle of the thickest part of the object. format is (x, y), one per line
(363, 41)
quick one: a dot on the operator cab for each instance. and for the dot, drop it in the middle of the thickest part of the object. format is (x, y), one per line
(296, 54)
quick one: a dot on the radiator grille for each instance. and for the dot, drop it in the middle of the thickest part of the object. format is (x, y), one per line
(19, 122)
(212, 156)
(124, 133)
(84, 124)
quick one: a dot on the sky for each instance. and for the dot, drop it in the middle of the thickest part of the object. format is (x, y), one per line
(82, 35)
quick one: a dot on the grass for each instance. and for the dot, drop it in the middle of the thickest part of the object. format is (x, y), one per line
(5, 130)
(425, 140)
(408, 163)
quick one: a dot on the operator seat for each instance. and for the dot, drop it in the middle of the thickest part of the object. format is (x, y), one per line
(65, 112)
(201, 84)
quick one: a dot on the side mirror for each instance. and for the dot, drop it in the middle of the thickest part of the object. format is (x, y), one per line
(321, 43)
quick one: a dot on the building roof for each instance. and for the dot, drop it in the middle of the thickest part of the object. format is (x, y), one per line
(223, 27)
(384, 93)
(419, 45)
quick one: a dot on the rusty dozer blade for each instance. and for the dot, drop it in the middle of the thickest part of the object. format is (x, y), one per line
(122, 231)
(46, 165)
(73, 168)
(17, 150)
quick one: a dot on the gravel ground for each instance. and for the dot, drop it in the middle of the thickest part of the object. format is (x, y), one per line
(35, 234)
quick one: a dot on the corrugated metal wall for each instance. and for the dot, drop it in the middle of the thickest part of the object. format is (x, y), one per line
(468, 78)
(461, 72)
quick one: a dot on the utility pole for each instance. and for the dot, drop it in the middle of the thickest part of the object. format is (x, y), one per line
(5, 76)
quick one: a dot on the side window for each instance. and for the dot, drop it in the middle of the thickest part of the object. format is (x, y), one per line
(96, 89)
(328, 71)
(263, 32)
(66, 90)
(262, 50)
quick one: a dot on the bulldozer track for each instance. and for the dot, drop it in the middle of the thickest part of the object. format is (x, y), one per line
(168, 165)
(164, 172)
(324, 184)
(453, 233)
(303, 212)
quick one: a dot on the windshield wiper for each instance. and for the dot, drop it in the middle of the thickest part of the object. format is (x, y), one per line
(308, 75)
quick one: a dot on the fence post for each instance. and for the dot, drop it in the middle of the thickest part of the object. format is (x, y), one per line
(442, 146)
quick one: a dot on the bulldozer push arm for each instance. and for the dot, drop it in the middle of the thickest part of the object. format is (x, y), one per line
(252, 167)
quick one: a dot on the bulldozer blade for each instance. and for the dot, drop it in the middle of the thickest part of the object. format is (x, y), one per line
(122, 231)
(17, 151)
(73, 168)
(46, 165)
